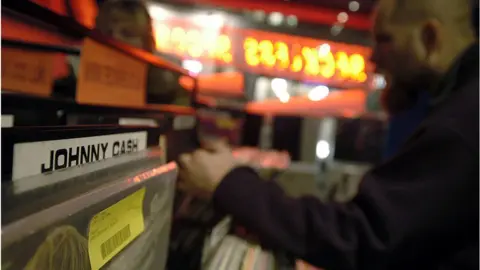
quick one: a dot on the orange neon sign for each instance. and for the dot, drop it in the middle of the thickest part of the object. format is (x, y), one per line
(193, 43)
(304, 58)
(269, 53)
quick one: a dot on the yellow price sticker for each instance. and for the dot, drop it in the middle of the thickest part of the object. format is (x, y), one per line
(225, 123)
(114, 228)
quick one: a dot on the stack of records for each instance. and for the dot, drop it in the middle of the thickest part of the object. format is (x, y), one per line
(104, 215)
(301, 265)
(194, 232)
(235, 253)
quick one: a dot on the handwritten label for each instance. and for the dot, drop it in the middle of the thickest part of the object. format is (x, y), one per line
(27, 72)
(114, 228)
(110, 77)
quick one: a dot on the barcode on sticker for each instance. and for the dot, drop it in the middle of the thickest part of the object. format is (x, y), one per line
(115, 241)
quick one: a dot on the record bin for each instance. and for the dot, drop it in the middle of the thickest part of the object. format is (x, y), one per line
(74, 174)
(95, 175)
(104, 217)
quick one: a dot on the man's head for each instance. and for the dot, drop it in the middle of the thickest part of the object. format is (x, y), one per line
(127, 21)
(416, 41)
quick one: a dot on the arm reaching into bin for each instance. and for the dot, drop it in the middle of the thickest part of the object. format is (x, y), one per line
(405, 210)
(417, 210)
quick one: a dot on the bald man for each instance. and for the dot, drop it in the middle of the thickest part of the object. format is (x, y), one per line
(418, 210)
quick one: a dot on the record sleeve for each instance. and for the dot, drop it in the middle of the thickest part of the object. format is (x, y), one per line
(122, 224)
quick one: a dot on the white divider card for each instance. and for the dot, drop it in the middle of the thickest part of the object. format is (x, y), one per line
(7, 120)
(137, 122)
(27, 71)
(182, 122)
(220, 231)
(110, 77)
(33, 158)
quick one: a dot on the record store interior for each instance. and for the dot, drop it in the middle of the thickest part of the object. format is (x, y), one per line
(100, 98)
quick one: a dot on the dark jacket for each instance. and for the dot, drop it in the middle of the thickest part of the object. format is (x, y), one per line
(402, 125)
(418, 210)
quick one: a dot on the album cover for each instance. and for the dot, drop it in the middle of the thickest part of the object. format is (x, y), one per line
(120, 225)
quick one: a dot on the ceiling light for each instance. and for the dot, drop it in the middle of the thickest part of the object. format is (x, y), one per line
(275, 18)
(213, 21)
(379, 82)
(342, 17)
(292, 20)
(323, 49)
(258, 15)
(336, 29)
(353, 6)
(318, 93)
(280, 89)
(158, 12)
(279, 84)
(322, 149)
(284, 98)
(192, 66)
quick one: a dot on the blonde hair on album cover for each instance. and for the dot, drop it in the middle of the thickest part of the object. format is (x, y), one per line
(64, 248)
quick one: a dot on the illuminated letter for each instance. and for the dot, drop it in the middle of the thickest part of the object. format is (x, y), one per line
(223, 49)
(266, 53)
(357, 66)
(311, 61)
(178, 40)
(250, 46)
(194, 45)
(282, 53)
(327, 69)
(343, 65)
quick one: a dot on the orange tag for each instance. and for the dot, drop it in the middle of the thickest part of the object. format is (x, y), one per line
(27, 71)
(110, 77)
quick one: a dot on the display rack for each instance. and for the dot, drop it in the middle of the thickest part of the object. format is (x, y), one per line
(99, 175)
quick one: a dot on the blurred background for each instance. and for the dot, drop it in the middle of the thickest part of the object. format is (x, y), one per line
(300, 68)
(289, 83)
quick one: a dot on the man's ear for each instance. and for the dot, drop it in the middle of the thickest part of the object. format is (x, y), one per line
(431, 38)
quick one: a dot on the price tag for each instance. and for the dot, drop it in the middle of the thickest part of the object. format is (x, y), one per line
(110, 77)
(27, 71)
(114, 228)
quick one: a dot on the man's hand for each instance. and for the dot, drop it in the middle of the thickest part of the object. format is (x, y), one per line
(203, 170)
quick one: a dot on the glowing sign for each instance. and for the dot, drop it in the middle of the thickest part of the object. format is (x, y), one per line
(304, 58)
(269, 53)
(193, 43)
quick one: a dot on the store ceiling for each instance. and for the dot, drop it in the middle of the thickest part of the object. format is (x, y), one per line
(324, 12)
(365, 6)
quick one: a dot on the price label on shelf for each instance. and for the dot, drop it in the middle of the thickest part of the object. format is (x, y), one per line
(27, 72)
(114, 228)
(110, 77)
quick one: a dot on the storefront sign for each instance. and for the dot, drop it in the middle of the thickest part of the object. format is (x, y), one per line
(261, 52)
